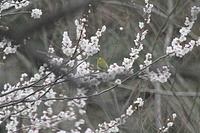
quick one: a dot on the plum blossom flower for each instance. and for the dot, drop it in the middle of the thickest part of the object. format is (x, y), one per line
(36, 13)
(178, 48)
(139, 101)
(129, 111)
(118, 81)
(141, 25)
(184, 31)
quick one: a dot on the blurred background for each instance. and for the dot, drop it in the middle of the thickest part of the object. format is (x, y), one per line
(181, 94)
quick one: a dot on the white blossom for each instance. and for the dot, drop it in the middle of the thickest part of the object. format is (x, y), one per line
(129, 111)
(170, 124)
(184, 31)
(36, 13)
(121, 28)
(139, 101)
(51, 50)
(141, 25)
(174, 115)
(118, 81)
(194, 12)
(9, 50)
(56, 61)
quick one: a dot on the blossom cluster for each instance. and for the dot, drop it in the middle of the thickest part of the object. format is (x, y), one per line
(14, 99)
(134, 54)
(23, 100)
(13, 3)
(48, 119)
(6, 43)
(88, 47)
(113, 125)
(56, 61)
(147, 10)
(35, 13)
(24, 88)
(170, 123)
(8, 47)
(161, 75)
(79, 53)
(180, 46)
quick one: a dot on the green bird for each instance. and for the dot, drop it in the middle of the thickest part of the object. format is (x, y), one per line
(102, 64)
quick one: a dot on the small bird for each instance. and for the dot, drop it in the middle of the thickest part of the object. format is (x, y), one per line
(101, 64)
